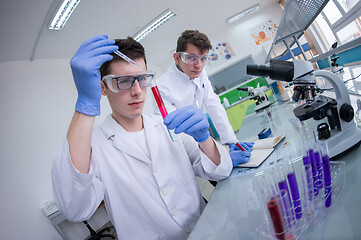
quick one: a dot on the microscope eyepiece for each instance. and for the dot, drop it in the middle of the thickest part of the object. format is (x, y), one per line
(259, 70)
(278, 70)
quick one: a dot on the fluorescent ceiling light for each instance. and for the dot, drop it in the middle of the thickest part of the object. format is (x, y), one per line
(63, 14)
(243, 13)
(154, 24)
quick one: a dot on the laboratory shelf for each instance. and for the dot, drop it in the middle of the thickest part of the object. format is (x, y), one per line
(297, 16)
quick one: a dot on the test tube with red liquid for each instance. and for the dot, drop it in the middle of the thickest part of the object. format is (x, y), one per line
(162, 109)
(276, 218)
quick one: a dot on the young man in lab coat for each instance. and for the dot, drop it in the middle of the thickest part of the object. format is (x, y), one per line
(148, 182)
(186, 83)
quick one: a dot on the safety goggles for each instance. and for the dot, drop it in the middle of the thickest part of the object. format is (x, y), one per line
(126, 82)
(190, 58)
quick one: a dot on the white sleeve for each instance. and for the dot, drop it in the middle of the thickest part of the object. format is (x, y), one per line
(202, 165)
(76, 195)
(217, 113)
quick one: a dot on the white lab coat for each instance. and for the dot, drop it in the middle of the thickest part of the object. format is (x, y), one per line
(177, 91)
(156, 198)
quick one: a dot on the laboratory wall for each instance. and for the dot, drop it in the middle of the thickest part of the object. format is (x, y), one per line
(37, 103)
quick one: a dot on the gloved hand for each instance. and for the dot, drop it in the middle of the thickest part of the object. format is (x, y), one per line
(189, 120)
(238, 156)
(246, 145)
(85, 67)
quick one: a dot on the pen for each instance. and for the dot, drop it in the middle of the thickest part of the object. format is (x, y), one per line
(240, 147)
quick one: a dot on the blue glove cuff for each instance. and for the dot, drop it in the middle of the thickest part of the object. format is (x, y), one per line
(91, 109)
(203, 139)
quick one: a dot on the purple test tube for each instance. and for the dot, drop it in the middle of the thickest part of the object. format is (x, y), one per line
(319, 168)
(286, 200)
(306, 160)
(307, 164)
(295, 194)
(327, 177)
(311, 155)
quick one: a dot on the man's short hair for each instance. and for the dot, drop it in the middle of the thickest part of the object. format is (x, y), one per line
(131, 48)
(198, 39)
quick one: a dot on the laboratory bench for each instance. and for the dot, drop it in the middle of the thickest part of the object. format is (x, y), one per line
(233, 210)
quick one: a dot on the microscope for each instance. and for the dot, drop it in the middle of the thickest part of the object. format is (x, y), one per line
(344, 133)
(258, 95)
(332, 60)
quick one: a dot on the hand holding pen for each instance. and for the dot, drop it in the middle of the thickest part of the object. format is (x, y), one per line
(240, 152)
(245, 146)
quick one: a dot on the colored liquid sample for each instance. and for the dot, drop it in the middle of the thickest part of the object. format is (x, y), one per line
(163, 110)
(327, 177)
(282, 185)
(160, 103)
(319, 167)
(295, 194)
(275, 214)
(311, 155)
(309, 181)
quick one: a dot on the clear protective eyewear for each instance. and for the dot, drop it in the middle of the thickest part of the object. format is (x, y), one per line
(190, 58)
(126, 82)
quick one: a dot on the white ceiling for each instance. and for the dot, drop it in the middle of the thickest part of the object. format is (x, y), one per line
(25, 35)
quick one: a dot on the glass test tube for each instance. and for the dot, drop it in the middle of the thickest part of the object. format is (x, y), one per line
(292, 182)
(276, 217)
(326, 172)
(285, 196)
(273, 199)
(161, 106)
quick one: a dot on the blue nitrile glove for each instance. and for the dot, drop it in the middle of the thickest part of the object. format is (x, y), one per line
(238, 156)
(189, 120)
(246, 145)
(85, 67)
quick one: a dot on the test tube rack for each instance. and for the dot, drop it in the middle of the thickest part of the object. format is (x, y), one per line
(310, 223)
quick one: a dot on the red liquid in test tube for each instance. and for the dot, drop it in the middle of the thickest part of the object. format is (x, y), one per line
(162, 110)
(159, 101)
(276, 218)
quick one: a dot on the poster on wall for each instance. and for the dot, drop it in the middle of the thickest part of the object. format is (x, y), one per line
(264, 32)
(222, 52)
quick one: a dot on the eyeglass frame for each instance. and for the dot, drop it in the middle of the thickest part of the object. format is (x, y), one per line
(108, 80)
(197, 57)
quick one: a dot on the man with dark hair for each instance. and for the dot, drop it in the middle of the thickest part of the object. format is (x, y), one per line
(186, 83)
(148, 182)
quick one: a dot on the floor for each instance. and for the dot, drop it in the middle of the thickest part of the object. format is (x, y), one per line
(206, 188)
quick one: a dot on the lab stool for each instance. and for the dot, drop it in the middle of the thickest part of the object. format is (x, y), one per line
(100, 234)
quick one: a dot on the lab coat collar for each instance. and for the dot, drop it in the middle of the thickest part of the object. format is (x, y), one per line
(180, 73)
(118, 135)
(183, 76)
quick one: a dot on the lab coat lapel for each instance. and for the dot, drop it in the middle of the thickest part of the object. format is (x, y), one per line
(122, 143)
(152, 136)
(198, 98)
(112, 130)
